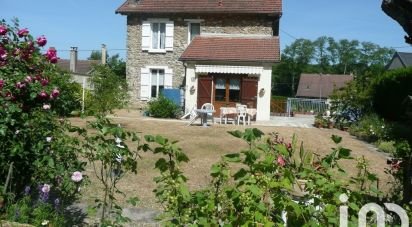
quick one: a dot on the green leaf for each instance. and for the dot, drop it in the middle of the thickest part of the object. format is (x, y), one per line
(185, 192)
(344, 153)
(235, 157)
(237, 133)
(215, 169)
(336, 139)
(161, 164)
(50, 163)
(149, 138)
(133, 201)
(255, 190)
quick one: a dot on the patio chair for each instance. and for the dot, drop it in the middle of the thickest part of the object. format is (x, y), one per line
(189, 113)
(193, 117)
(209, 106)
(241, 113)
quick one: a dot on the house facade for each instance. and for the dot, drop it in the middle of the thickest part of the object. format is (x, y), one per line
(216, 51)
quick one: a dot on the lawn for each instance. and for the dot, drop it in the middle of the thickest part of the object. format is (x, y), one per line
(205, 146)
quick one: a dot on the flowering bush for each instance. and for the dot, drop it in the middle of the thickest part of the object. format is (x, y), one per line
(274, 183)
(34, 144)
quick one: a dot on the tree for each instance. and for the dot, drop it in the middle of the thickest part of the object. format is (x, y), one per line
(400, 11)
(325, 55)
(115, 63)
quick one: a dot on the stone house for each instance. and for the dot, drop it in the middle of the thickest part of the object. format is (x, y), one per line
(216, 51)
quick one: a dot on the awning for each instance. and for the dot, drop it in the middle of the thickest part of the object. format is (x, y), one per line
(228, 69)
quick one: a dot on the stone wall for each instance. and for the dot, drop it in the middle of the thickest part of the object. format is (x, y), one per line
(137, 59)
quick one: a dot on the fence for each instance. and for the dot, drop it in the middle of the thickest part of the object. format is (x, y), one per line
(300, 105)
(278, 106)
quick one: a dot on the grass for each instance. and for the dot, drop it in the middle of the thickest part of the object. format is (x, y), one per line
(205, 146)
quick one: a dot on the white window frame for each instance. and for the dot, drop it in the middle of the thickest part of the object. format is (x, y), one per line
(157, 81)
(168, 80)
(193, 21)
(159, 49)
(169, 33)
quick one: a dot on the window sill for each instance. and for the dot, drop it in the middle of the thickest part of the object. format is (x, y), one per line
(157, 51)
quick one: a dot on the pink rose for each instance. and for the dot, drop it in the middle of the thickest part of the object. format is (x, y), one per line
(51, 54)
(46, 106)
(77, 176)
(3, 29)
(44, 82)
(1, 84)
(55, 93)
(28, 79)
(41, 40)
(20, 85)
(46, 188)
(43, 95)
(3, 54)
(23, 32)
(281, 161)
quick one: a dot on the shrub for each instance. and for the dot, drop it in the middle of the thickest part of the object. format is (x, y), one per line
(387, 146)
(390, 91)
(34, 144)
(108, 93)
(163, 107)
(266, 180)
(370, 128)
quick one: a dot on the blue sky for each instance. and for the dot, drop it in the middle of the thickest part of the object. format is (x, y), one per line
(89, 23)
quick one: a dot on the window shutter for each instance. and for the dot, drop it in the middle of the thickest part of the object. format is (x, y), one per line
(169, 36)
(168, 78)
(146, 34)
(144, 84)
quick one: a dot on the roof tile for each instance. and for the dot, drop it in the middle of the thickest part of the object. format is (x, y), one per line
(317, 85)
(241, 49)
(202, 6)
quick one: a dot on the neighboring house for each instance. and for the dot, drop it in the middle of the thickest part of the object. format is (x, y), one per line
(320, 86)
(217, 51)
(80, 70)
(400, 60)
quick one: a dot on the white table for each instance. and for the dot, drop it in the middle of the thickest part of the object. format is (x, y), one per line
(251, 112)
(203, 113)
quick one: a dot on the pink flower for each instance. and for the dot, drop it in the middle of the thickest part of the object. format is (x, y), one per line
(43, 95)
(1, 84)
(51, 54)
(44, 82)
(3, 54)
(46, 188)
(28, 79)
(23, 32)
(46, 106)
(55, 93)
(41, 40)
(77, 176)
(3, 29)
(20, 85)
(281, 161)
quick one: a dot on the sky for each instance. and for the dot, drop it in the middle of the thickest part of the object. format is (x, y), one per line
(87, 24)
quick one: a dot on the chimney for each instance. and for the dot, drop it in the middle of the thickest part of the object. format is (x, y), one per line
(73, 59)
(104, 54)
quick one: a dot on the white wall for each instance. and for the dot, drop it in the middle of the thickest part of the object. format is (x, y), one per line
(191, 80)
(263, 102)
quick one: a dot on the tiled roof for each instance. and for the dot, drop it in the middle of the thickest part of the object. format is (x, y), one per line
(201, 6)
(317, 85)
(83, 66)
(231, 49)
(406, 58)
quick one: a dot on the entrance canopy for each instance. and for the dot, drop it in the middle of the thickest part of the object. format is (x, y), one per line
(228, 69)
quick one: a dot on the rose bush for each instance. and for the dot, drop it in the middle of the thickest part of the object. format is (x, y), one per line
(35, 149)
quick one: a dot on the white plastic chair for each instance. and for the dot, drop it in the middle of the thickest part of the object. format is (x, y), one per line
(209, 106)
(241, 113)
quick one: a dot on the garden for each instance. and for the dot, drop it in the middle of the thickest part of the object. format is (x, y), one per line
(49, 162)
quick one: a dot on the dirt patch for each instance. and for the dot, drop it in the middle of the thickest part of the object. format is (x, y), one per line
(205, 146)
